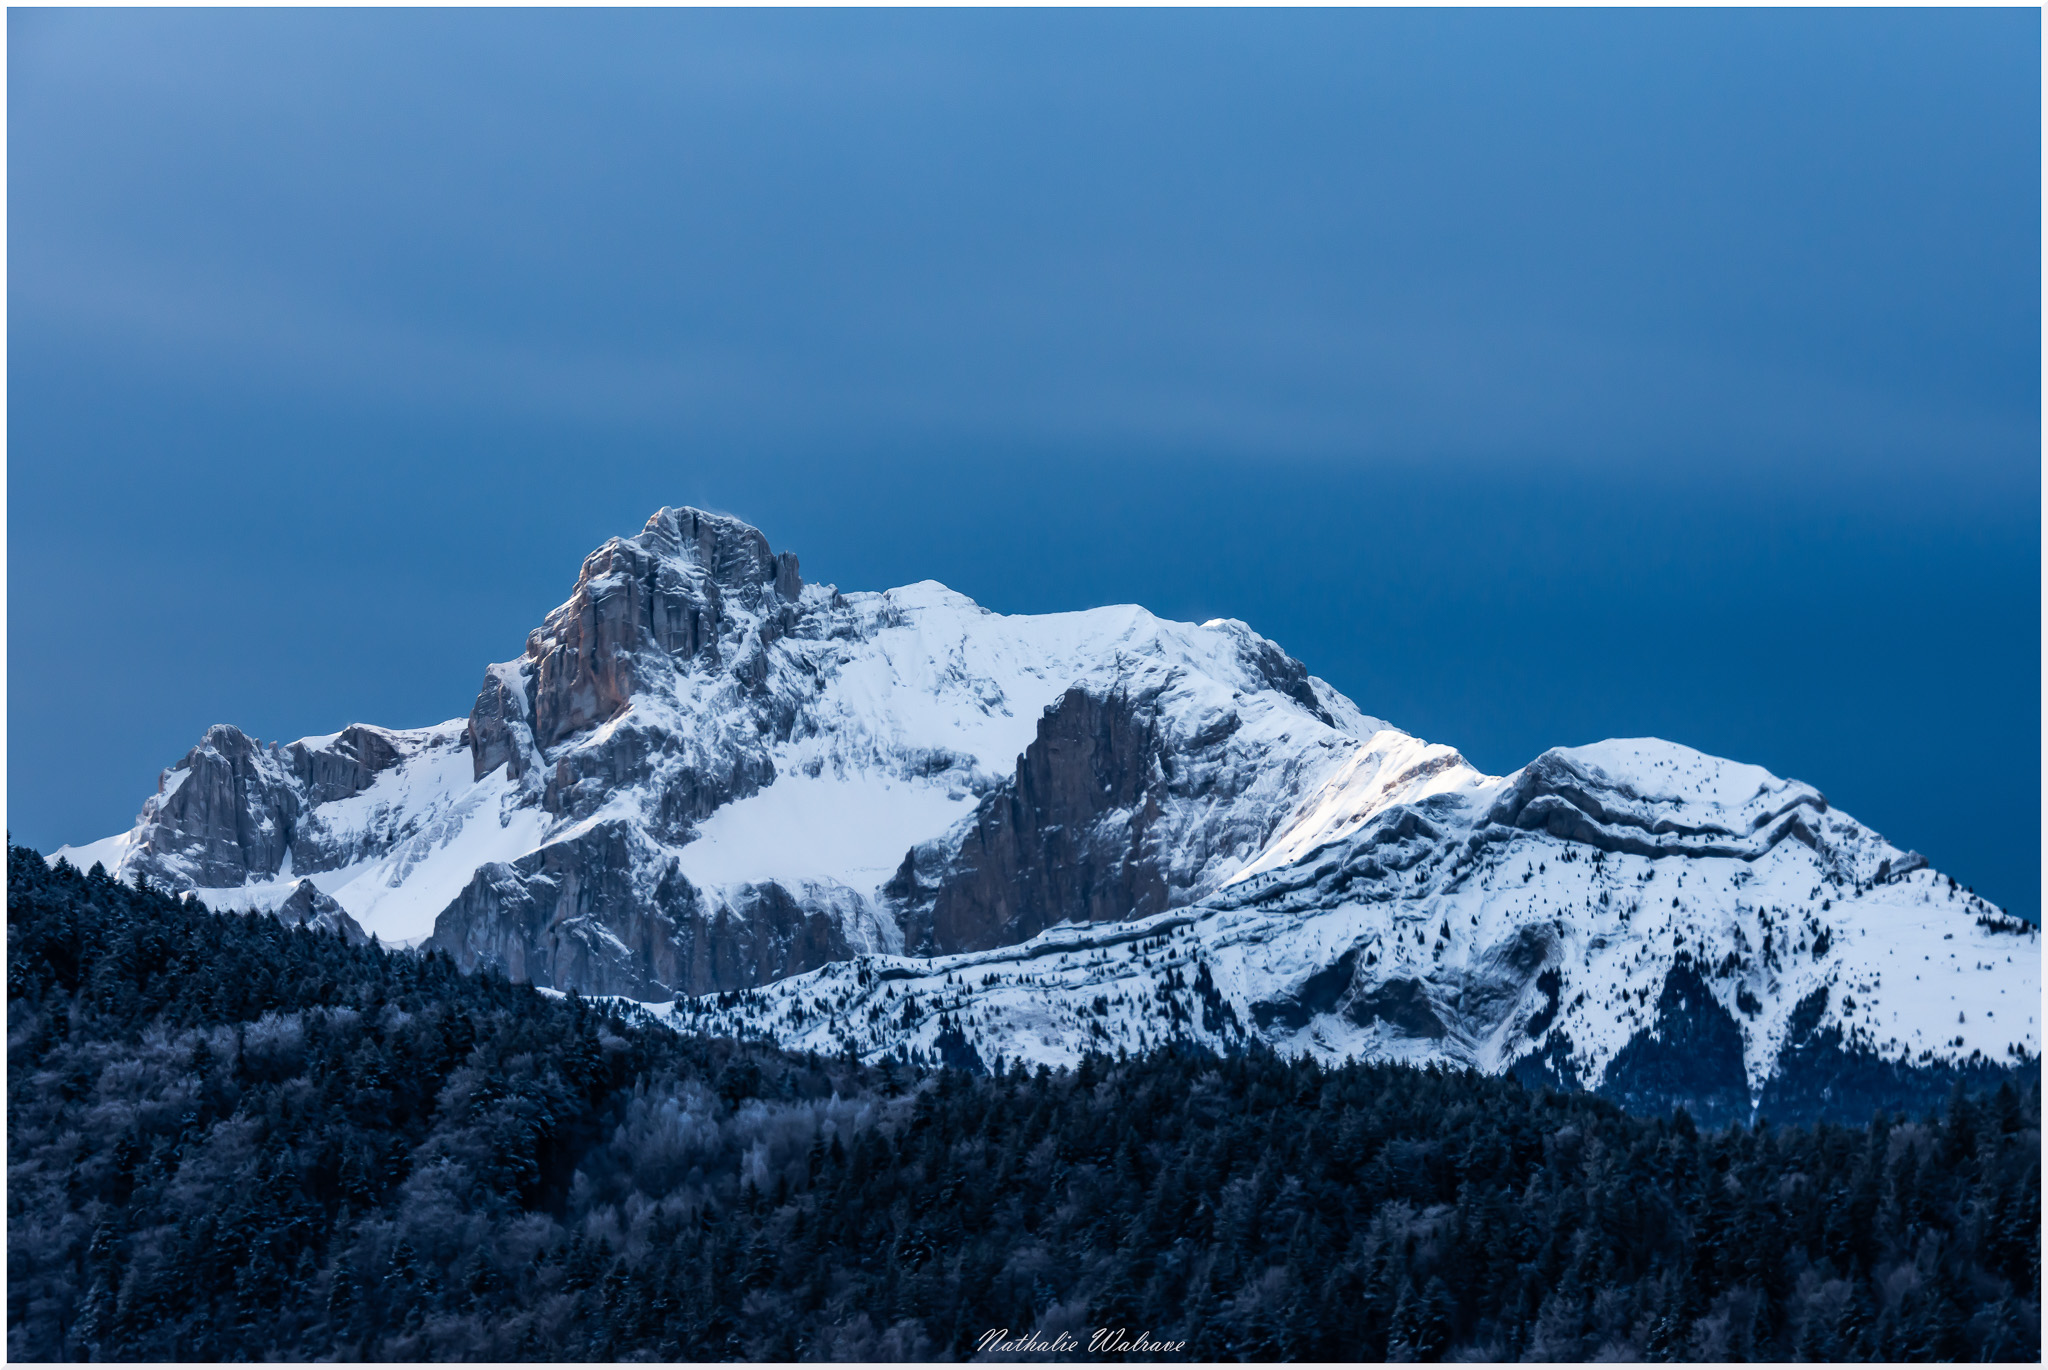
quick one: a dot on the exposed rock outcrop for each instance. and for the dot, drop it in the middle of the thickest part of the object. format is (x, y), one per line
(348, 765)
(579, 914)
(234, 811)
(500, 727)
(695, 595)
(671, 595)
(1066, 840)
(225, 813)
(307, 907)
(229, 811)
(1564, 797)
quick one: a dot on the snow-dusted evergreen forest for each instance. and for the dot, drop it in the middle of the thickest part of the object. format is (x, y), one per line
(231, 1138)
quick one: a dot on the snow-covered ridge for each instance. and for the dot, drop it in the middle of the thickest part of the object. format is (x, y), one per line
(1426, 931)
(703, 775)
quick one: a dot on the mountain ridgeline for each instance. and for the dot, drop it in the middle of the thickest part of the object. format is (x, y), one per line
(899, 824)
(234, 1138)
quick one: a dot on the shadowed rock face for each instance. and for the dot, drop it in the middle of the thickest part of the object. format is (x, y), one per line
(230, 815)
(500, 731)
(1118, 809)
(1322, 992)
(694, 591)
(231, 810)
(345, 767)
(766, 933)
(634, 607)
(1066, 839)
(565, 917)
(1505, 982)
(1402, 1004)
(573, 916)
(307, 907)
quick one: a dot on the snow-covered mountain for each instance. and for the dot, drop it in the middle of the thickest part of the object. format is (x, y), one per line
(1633, 916)
(902, 822)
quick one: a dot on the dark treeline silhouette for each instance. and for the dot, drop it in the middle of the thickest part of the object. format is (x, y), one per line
(231, 1139)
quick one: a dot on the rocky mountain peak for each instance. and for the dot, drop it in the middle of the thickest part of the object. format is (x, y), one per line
(702, 776)
(735, 555)
(232, 809)
(693, 589)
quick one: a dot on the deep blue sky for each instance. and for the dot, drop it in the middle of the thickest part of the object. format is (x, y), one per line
(1534, 377)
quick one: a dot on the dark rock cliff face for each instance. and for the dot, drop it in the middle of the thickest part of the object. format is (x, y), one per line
(1326, 991)
(1065, 839)
(231, 816)
(765, 935)
(637, 614)
(500, 731)
(234, 806)
(1079, 833)
(564, 917)
(345, 767)
(307, 907)
(1515, 979)
(634, 607)
(570, 916)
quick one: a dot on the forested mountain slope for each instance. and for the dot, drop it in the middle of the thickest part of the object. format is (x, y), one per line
(232, 1138)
